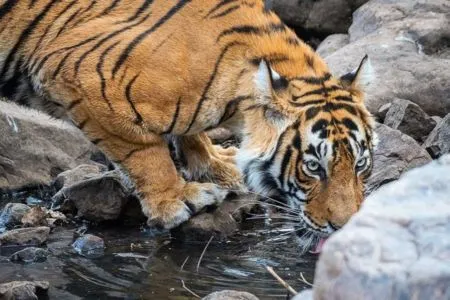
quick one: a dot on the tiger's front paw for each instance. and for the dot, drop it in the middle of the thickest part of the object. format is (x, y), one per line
(170, 213)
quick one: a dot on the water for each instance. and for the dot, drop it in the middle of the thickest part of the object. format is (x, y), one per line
(138, 264)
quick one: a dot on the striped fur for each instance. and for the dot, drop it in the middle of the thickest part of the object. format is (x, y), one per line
(135, 74)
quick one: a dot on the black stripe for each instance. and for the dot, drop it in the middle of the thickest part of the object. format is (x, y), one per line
(7, 7)
(47, 57)
(131, 46)
(226, 12)
(174, 118)
(329, 106)
(138, 119)
(344, 98)
(24, 36)
(311, 102)
(81, 19)
(32, 3)
(320, 125)
(129, 154)
(48, 29)
(312, 112)
(61, 64)
(74, 103)
(109, 8)
(314, 80)
(66, 23)
(140, 10)
(230, 108)
(250, 29)
(210, 82)
(99, 70)
(322, 91)
(218, 6)
(350, 125)
(103, 40)
(284, 164)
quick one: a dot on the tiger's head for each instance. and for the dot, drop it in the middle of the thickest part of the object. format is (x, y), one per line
(308, 143)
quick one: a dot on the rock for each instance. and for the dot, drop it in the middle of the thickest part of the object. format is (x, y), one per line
(397, 246)
(230, 295)
(89, 245)
(221, 222)
(332, 43)
(319, 16)
(25, 236)
(438, 142)
(382, 111)
(36, 216)
(394, 154)
(32, 201)
(410, 119)
(407, 43)
(35, 147)
(29, 255)
(12, 214)
(98, 198)
(304, 295)
(80, 173)
(23, 290)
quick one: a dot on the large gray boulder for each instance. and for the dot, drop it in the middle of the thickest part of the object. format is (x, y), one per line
(410, 119)
(438, 142)
(407, 43)
(395, 153)
(397, 246)
(321, 16)
(35, 147)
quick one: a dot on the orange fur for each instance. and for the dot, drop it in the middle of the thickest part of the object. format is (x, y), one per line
(134, 74)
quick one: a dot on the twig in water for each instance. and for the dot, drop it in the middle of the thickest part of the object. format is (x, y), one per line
(303, 279)
(185, 261)
(280, 280)
(187, 289)
(203, 253)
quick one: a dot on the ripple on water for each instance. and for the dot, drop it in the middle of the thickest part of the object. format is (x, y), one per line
(138, 265)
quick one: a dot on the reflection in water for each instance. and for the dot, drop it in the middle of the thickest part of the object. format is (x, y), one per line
(139, 265)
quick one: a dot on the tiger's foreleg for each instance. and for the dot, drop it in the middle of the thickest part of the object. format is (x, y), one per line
(207, 162)
(166, 198)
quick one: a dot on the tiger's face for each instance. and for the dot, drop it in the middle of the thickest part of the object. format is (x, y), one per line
(313, 152)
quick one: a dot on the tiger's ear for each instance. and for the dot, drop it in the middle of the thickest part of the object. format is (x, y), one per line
(267, 80)
(359, 78)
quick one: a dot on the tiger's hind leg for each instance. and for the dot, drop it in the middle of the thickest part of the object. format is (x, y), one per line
(204, 161)
(166, 198)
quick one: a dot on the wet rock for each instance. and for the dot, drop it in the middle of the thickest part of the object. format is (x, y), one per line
(33, 201)
(29, 255)
(221, 222)
(25, 236)
(332, 43)
(406, 41)
(229, 294)
(80, 173)
(320, 16)
(12, 214)
(394, 154)
(410, 119)
(89, 245)
(438, 142)
(36, 216)
(35, 147)
(23, 290)
(397, 246)
(98, 198)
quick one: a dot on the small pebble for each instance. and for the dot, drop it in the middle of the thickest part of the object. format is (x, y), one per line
(89, 245)
(29, 255)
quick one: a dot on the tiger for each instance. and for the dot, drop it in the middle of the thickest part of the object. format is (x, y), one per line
(139, 76)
